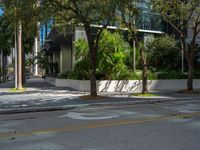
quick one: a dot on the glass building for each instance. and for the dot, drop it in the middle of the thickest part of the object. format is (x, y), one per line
(45, 29)
(148, 19)
(1, 12)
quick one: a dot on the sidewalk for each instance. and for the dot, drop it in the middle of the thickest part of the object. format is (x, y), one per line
(41, 96)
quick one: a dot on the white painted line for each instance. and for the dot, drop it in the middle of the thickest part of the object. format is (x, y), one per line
(87, 116)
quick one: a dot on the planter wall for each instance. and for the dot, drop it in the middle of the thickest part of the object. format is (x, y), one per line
(123, 85)
(50, 80)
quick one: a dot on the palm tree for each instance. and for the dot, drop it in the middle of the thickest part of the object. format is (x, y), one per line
(6, 38)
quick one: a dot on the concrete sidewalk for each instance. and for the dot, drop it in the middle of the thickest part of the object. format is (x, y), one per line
(41, 96)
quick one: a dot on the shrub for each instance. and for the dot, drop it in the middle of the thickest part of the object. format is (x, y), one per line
(112, 54)
(163, 53)
(137, 75)
(81, 70)
(171, 75)
(197, 75)
(65, 75)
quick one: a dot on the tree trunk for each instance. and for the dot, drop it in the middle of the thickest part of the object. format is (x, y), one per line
(4, 67)
(93, 86)
(19, 86)
(23, 67)
(144, 71)
(190, 75)
(92, 61)
(1, 66)
(93, 58)
(190, 63)
(16, 61)
(134, 62)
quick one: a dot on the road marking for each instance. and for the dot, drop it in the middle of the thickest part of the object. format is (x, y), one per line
(93, 125)
(87, 116)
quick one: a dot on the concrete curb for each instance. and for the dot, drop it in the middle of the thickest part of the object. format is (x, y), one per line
(146, 101)
(94, 104)
(34, 109)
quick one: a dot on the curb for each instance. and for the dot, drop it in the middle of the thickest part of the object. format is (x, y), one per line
(147, 101)
(103, 104)
(35, 109)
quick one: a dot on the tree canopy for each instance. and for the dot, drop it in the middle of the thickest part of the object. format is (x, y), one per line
(183, 16)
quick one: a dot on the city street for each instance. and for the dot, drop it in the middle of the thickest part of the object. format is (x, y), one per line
(162, 126)
(99, 75)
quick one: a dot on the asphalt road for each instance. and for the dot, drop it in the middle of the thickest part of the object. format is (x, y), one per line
(168, 126)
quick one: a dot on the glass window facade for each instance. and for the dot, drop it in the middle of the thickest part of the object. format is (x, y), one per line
(45, 29)
(1, 12)
(149, 20)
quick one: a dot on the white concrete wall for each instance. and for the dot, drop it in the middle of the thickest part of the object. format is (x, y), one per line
(80, 85)
(125, 85)
(119, 85)
(172, 84)
(50, 80)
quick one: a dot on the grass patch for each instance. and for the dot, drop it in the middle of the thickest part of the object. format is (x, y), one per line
(17, 90)
(145, 95)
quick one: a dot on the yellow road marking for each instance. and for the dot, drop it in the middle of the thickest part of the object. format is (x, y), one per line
(93, 125)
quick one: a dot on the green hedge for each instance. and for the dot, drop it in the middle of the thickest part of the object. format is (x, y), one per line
(176, 75)
(130, 75)
(171, 75)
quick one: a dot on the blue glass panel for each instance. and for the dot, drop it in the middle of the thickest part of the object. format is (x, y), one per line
(1, 12)
(44, 31)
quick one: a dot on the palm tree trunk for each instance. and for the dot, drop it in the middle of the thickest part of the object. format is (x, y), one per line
(4, 67)
(19, 86)
(1, 66)
(23, 67)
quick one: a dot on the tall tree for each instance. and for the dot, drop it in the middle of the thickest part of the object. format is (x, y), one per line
(6, 38)
(183, 15)
(22, 15)
(128, 14)
(86, 13)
